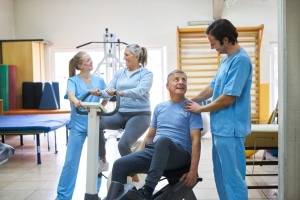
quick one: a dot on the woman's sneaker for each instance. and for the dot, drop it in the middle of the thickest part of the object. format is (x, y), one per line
(102, 167)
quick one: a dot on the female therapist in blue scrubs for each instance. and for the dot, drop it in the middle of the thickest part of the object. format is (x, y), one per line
(78, 86)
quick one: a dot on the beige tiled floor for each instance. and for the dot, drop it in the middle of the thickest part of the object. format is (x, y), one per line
(21, 177)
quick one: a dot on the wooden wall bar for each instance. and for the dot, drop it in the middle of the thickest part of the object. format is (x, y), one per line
(200, 62)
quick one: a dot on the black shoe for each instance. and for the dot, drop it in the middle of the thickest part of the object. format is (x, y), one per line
(140, 194)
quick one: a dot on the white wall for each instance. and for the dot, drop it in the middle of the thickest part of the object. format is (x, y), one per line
(69, 23)
(6, 20)
(254, 13)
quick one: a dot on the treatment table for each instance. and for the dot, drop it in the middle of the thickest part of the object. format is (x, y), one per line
(33, 124)
(262, 137)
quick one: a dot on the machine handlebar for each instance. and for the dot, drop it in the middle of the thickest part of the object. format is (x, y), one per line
(88, 105)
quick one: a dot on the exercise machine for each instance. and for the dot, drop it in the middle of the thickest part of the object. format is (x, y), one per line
(110, 59)
(174, 190)
(94, 110)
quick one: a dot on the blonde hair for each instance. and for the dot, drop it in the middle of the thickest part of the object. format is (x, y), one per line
(75, 62)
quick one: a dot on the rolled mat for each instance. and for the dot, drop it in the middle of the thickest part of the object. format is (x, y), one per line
(38, 93)
(12, 81)
(28, 95)
(4, 86)
(6, 151)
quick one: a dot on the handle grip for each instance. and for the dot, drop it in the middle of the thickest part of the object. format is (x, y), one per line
(100, 113)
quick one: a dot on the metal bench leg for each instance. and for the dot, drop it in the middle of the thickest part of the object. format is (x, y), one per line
(38, 149)
(190, 196)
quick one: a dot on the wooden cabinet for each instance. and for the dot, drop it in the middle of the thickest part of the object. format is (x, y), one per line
(28, 56)
(200, 62)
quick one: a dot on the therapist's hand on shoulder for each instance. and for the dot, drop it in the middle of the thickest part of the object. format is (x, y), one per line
(192, 106)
